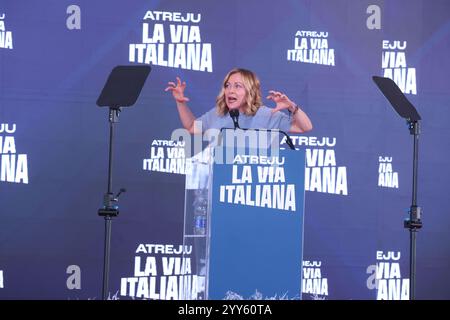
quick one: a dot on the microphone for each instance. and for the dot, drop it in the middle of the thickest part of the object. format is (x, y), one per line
(234, 114)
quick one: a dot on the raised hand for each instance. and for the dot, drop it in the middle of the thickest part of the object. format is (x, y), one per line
(178, 90)
(282, 101)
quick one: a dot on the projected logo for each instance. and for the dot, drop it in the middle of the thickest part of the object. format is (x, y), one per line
(313, 282)
(387, 177)
(167, 156)
(13, 166)
(172, 39)
(162, 272)
(386, 278)
(311, 47)
(183, 152)
(322, 173)
(394, 66)
(6, 37)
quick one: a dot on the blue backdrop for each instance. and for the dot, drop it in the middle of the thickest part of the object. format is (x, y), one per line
(55, 57)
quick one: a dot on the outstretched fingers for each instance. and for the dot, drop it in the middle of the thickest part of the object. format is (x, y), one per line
(171, 86)
(273, 95)
(279, 98)
(180, 83)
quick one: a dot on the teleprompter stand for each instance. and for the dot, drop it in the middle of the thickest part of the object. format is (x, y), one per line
(406, 110)
(122, 89)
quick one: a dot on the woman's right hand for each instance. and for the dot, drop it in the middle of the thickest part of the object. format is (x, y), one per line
(178, 90)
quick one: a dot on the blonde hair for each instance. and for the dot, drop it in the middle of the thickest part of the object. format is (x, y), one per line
(252, 92)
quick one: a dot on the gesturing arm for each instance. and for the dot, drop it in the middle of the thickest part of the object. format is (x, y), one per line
(300, 120)
(186, 116)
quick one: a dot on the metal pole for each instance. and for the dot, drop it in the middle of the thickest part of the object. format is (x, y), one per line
(105, 290)
(109, 210)
(414, 223)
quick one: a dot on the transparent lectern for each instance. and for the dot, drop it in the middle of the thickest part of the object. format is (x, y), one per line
(243, 219)
(196, 217)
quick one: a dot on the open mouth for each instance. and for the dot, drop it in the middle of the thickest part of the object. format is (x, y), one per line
(231, 99)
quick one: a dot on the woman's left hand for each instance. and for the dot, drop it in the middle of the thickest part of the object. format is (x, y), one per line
(282, 101)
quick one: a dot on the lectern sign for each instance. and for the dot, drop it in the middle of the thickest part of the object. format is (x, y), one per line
(257, 226)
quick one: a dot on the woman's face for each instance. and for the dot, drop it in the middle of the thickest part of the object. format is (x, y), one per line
(235, 92)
